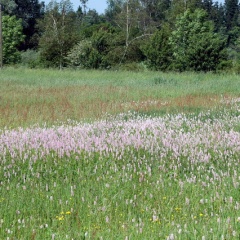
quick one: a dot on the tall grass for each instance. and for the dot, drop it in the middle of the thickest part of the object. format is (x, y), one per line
(38, 96)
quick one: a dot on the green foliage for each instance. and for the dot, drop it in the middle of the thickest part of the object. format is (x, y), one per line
(92, 52)
(180, 6)
(114, 8)
(59, 33)
(91, 18)
(9, 6)
(12, 37)
(158, 10)
(29, 11)
(158, 50)
(231, 13)
(196, 47)
(30, 58)
(101, 41)
(215, 13)
(84, 55)
(116, 52)
(183, 37)
(135, 23)
(234, 55)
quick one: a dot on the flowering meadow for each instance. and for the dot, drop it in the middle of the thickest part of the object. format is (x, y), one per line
(127, 176)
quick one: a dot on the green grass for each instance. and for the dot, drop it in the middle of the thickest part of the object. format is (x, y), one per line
(177, 83)
(107, 205)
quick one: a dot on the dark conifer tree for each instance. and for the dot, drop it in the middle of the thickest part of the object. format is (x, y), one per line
(8, 6)
(29, 11)
(156, 9)
(215, 13)
(231, 13)
(218, 17)
(231, 16)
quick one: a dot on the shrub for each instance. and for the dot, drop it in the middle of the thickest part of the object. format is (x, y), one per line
(30, 58)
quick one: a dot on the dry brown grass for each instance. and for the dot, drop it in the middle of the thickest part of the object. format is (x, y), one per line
(25, 107)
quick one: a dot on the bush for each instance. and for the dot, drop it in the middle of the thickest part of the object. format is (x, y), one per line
(158, 50)
(84, 55)
(30, 58)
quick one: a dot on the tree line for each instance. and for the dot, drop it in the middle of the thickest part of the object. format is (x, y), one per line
(165, 35)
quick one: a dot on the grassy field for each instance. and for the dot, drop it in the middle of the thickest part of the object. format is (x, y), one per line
(119, 155)
(28, 97)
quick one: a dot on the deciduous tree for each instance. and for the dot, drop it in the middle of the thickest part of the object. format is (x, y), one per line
(12, 37)
(131, 18)
(59, 34)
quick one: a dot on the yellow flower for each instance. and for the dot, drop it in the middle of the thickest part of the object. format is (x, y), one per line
(60, 218)
(68, 212)
(177, 209)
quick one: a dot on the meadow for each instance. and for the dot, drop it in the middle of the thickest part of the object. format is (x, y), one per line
(30, 97)
(119, 155)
